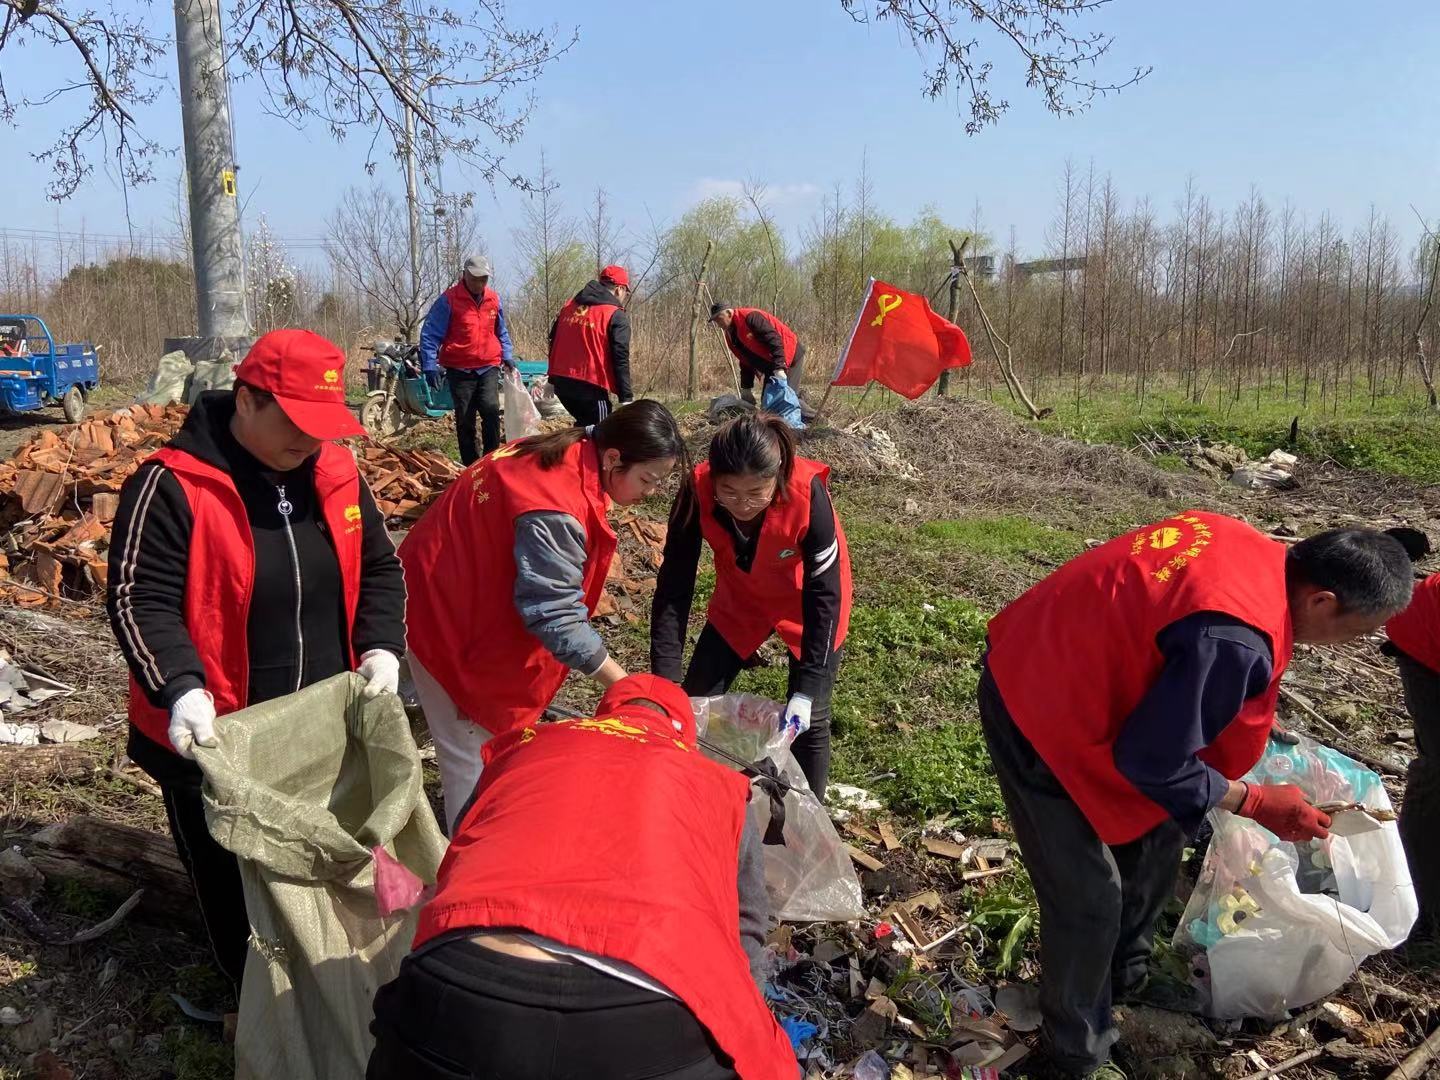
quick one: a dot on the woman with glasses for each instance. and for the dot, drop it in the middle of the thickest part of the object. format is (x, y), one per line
(781, 567)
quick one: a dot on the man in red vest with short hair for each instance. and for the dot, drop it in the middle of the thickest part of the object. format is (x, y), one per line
(248, 560)
(765, 346)
(590, 348)
(601, 912)
(1123, 697)
(465, 334)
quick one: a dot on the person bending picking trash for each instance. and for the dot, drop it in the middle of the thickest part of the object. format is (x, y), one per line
(505, 570)
(601, 912)
(781, 566)
(590, 348)
(764, 346)
(1415, 643)
(249, 561)
(1122, 697)
(465, 334)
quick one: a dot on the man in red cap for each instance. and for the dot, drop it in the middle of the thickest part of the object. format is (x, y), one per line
(601, 912)
(248, 560)
(590, 348)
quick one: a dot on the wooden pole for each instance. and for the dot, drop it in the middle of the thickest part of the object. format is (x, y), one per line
(953, 308)
(692, 380)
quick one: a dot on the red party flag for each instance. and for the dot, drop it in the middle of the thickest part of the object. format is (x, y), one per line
(899, 342)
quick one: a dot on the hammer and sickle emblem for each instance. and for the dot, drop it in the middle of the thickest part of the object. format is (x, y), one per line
(887, 303)
(1164, 538)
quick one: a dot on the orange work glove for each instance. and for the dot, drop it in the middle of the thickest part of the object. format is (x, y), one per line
(1283, 809)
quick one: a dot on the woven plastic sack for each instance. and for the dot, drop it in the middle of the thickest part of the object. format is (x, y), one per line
(302, 789)
(522, 418)
(167, 385)
(810, 877)
(1274, 926)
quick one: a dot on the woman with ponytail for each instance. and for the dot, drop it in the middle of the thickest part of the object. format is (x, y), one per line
(781, 566)
(505, 570)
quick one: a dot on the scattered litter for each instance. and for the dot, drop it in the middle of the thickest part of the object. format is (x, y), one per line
(1276, 471)
(1020, 1002)
(870, 1066)
(19, 734)
(194, 1012)
(9, 1017)
(66, 731)
(852, 798)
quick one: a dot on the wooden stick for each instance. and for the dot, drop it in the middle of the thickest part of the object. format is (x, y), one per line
(1309, 710)
(1414, 1066)
(1298, 1059)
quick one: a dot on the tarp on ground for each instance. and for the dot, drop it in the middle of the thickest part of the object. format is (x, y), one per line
(302, 789)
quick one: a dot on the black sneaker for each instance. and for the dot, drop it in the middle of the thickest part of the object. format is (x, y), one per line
(1159, 991)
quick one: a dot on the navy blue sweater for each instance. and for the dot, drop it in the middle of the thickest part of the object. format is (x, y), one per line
(1213, 665)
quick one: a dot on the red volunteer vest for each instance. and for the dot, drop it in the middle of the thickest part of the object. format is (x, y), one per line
(1074, 655)
(471, 340)
(1416, 630)
(750, 345)
(747, 607)
(581, 349)
(221, 575)
(460, 576)
(611, 836)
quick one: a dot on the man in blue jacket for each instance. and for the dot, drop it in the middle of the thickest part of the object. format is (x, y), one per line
(465, 334)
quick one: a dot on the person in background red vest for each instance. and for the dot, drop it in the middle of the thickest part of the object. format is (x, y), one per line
(465, 333)
(1122, 698)
(765, 346)
(590, 348)
(505, 570)
(248, 560)
(781, 566)
(601, 912)
(1415, 644)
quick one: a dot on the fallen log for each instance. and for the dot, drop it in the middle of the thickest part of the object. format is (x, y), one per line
(117, 860)
(38, 764)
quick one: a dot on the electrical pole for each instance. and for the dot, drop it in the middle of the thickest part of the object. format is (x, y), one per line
(412, 197)
(216, 245)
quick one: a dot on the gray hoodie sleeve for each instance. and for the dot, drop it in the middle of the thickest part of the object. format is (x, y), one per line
(549, 588)
(754, 901)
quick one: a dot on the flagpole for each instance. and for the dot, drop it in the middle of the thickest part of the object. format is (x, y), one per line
(840, 363)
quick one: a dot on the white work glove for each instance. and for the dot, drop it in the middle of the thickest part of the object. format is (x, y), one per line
(381, 671)
(192, 722)
(797, 714)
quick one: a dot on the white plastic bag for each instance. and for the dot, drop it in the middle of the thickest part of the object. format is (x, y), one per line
(521, 416)
(1274, 926)
(809, 878)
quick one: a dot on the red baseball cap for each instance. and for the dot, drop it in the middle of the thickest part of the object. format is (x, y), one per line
(306, 373)
(615, 275)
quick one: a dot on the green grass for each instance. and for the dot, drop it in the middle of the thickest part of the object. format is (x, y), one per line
(1007, 537)
(196, 1054)
(1394, 434)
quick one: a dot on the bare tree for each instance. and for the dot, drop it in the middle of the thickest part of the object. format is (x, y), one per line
(333, 62)
(1056, 54)
(602, 234)
(545, 244)
(366, 241)
(754, 192)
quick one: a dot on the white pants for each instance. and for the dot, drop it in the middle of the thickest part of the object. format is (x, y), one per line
(457, 742)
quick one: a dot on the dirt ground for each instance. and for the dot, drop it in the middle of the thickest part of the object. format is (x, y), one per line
(108, 1008)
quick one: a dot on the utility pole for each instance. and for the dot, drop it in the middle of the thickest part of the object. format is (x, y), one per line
(412, 198)
(216, 245)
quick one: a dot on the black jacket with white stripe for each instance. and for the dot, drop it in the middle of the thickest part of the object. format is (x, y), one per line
(819, 596)
(296, 623)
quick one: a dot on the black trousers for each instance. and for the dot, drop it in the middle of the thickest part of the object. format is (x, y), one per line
(461, 1010)
(1098, 904)
(713, 667)
(213, 871)
(586, 410)
(476, 394)
(1420, 816)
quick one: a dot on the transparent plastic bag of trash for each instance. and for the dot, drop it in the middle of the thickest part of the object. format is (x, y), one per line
(1274, 926)
(809, 877)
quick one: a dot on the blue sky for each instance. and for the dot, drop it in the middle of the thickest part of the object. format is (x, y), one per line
(664, 102)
